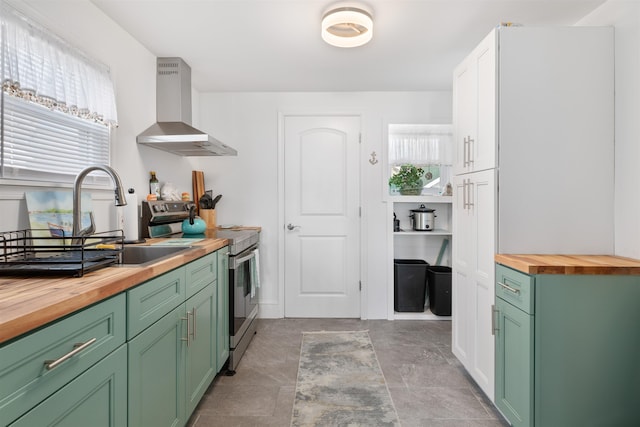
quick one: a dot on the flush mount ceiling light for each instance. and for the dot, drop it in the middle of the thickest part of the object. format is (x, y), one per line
(347, 26)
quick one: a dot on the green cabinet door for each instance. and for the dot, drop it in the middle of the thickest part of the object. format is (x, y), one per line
(222, 323)
(514, 364)
(201, 345)
(96, 398)
(156, 373)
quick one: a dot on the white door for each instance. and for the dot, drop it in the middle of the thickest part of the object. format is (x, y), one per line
(322, 216)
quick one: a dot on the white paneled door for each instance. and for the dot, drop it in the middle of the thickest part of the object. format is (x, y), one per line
(321, 213)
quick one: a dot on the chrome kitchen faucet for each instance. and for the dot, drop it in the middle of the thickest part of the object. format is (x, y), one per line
(77, 187)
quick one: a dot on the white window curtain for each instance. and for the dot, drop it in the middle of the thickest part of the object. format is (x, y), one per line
(420, 144)
(58, 106)
(44, 69)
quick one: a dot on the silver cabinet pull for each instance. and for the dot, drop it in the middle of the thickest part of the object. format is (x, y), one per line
(292, 227)
(494, 324)
(464, 152)
(188, 338)
(78, 347)
(509, 288)
(464, 194)
(194, 323)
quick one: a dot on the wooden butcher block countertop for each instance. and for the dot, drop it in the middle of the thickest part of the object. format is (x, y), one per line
(570, 264)
(27, 302)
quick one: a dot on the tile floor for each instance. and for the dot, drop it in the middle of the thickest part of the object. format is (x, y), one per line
(428, 386)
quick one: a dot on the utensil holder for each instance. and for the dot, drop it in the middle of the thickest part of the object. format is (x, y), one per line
(209, 216)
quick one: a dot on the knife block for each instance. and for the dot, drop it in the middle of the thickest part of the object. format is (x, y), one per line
(209, 216)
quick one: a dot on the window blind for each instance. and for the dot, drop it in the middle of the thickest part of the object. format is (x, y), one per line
(45, 145)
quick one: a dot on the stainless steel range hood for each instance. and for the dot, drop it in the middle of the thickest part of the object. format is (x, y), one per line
(173, 131)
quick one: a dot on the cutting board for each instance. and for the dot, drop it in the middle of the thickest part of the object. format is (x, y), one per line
(197, 179)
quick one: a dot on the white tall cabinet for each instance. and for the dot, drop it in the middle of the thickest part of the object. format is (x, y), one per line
(533, 164)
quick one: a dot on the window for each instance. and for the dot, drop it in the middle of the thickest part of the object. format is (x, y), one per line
(58, 106)
(427, 147)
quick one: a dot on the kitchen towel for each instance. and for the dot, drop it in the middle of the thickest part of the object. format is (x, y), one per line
(254, 264)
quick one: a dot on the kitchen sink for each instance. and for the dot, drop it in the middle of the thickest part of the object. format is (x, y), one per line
(145, 254)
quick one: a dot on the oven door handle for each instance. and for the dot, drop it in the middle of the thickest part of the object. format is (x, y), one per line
(238, 261)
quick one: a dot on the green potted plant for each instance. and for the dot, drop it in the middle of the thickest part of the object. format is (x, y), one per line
(408, 180)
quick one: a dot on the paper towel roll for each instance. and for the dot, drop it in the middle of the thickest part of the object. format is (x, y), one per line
(130, 217)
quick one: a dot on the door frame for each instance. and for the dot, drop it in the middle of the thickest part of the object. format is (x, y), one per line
(269, 312)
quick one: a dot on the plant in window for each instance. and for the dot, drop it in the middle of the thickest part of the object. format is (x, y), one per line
(408, 180)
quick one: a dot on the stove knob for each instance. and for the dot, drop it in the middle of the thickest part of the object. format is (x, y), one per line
(156, 208)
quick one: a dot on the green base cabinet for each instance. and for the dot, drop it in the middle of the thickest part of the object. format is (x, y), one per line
(97, 398)
(142, 358)
(173, 360)
(78, 342)
(201, 365)
(567, 349)
(156, 373)
(514, 370)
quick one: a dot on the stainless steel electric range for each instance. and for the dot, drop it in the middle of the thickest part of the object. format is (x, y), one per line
(244, 290)
(163, 219)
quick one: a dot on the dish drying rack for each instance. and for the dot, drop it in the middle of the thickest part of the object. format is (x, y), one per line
(36, 252)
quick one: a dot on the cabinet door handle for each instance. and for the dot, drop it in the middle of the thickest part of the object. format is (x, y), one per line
(194, 323)
(494, 325)
(469, 194)
(470, 154)
(509, 288)
(464, 194)
(78, 347)
(188, 338)
(464, 152)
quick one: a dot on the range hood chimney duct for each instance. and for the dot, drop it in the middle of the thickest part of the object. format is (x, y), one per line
(173, 131)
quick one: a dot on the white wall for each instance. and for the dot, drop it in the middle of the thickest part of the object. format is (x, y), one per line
(249, 182)
(625, 17)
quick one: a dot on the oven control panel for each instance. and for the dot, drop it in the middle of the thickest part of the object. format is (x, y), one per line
(157, 212)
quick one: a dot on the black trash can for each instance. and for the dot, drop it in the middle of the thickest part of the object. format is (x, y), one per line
(410, 282)
(439, 284)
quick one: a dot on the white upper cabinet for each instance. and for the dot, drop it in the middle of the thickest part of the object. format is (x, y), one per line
(474, 109)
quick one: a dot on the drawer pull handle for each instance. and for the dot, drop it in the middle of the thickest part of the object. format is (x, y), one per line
(78, 347)
(509, 288)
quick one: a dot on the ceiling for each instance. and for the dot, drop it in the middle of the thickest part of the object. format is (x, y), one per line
(275, 45)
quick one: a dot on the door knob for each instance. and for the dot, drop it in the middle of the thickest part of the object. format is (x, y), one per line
(291, 227)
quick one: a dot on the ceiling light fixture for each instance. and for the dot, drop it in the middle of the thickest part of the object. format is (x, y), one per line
(347, 26)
